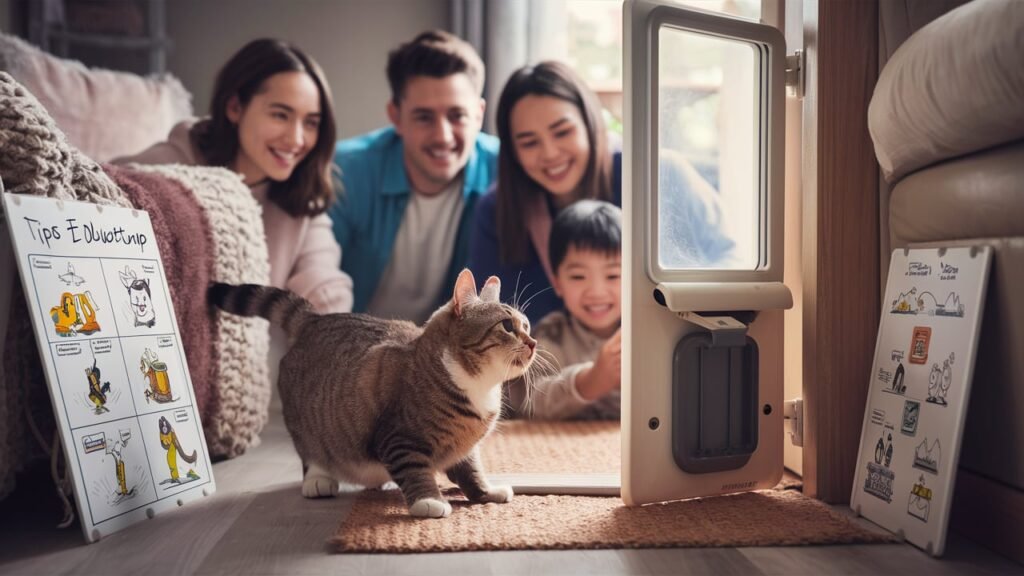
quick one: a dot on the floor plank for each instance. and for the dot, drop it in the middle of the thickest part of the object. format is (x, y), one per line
(258, 522)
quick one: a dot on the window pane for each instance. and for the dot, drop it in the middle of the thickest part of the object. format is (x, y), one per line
(708, 141)
(594, 43)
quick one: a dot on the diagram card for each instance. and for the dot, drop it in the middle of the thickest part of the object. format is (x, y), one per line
(919, 390)
(113, 359)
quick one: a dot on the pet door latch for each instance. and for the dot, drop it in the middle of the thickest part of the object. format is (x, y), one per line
(725, 331)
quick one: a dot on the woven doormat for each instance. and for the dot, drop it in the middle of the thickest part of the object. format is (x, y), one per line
(380, 523)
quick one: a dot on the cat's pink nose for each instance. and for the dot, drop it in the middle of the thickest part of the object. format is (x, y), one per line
(531, 343)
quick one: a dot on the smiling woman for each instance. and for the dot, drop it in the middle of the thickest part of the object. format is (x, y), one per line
(272, 121)
(555, 152)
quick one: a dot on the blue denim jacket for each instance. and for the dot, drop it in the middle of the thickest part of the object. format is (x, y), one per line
(370, 209)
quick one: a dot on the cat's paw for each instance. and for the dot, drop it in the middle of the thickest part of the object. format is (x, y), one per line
(319, 486)
(430, 508)
(498, 494)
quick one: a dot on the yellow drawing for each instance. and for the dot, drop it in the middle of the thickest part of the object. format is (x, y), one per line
(901, 305)
(76, 314)
(115, 449)
(169, 442)
(97, 390)
(155, 372)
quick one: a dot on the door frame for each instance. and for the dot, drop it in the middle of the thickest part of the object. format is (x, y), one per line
(840, 239)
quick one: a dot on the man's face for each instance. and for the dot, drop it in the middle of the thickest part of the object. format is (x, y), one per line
(438, 120)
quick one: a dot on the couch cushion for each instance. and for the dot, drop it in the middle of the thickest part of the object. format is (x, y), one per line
(956, 86)
(977, 196)
(105, 114)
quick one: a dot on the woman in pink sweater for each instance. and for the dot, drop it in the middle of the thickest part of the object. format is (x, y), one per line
(272, 121)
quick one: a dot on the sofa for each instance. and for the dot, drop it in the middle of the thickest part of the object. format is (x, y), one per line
(208, 227)
(947, 121)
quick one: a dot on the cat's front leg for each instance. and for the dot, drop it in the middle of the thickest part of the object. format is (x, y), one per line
(469, 475)
(318, 483)
(414, 474)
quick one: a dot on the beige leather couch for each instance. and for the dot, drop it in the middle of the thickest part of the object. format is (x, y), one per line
(947, 120)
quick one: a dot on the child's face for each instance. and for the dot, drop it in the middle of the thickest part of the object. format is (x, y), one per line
(589, 283)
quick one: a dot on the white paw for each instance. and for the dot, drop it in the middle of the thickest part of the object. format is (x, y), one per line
(319, 486)
(430, 508)
(498, 494)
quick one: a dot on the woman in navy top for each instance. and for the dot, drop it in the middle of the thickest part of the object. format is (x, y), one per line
(554, 151)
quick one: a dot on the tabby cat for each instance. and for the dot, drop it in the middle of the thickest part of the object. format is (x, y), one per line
(367, 400)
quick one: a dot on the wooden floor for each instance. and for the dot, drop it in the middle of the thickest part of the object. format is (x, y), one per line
(258, 523)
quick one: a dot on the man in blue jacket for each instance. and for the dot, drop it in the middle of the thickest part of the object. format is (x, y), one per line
(404, 217)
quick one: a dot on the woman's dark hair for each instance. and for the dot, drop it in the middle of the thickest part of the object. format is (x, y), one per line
(515, 188)
(437, 54)
(589, 225)
(310, 188)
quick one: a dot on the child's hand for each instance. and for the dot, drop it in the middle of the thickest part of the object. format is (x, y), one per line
(606, 374)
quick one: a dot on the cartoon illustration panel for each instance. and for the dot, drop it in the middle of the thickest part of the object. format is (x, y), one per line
(92, 380)
(111, 351)
(920, 388)
(73, 298)
(175, 451)
(138, 297)
(115, 469)
(159, 381)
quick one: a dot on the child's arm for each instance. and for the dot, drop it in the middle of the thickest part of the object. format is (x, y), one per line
(555, 397)
(605, 374)
(577, 385)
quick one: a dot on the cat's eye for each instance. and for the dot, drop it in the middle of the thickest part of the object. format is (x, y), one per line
(507, 325)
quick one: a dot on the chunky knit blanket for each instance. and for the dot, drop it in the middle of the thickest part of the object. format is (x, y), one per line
(240, 397)
(225, 242)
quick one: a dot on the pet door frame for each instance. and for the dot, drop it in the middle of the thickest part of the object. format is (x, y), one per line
(661, 306)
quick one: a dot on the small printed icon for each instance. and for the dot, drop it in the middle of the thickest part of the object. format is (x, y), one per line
(879, 481)
(920, 502)
(911, 413)
(927, 456)
(70, 278)
(919, 344)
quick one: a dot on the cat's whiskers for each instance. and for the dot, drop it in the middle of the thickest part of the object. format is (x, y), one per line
(515, 291)
(544, 364)
(519, 294)
(530, 299)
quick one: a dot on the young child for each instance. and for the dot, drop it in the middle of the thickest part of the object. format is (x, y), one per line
(583, 341)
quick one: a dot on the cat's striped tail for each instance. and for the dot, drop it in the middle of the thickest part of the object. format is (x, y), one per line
(283, 308)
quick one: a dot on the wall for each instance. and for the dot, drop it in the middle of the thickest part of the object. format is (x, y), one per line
(349, 38)
(5, 16)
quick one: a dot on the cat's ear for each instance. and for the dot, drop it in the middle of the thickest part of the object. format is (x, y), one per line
(491, 289)
(465, 291)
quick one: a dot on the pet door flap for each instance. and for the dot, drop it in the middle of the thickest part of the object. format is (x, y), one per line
(714, 402)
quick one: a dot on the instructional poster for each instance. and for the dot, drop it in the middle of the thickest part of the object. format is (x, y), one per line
(111, 350)
(920, 387)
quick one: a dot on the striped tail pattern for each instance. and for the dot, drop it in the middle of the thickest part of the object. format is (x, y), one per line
(283, 308)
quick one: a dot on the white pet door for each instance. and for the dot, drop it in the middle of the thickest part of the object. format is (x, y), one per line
(703, 293)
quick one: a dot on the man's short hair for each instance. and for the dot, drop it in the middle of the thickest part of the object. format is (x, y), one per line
(593, 225)
(437, 54)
